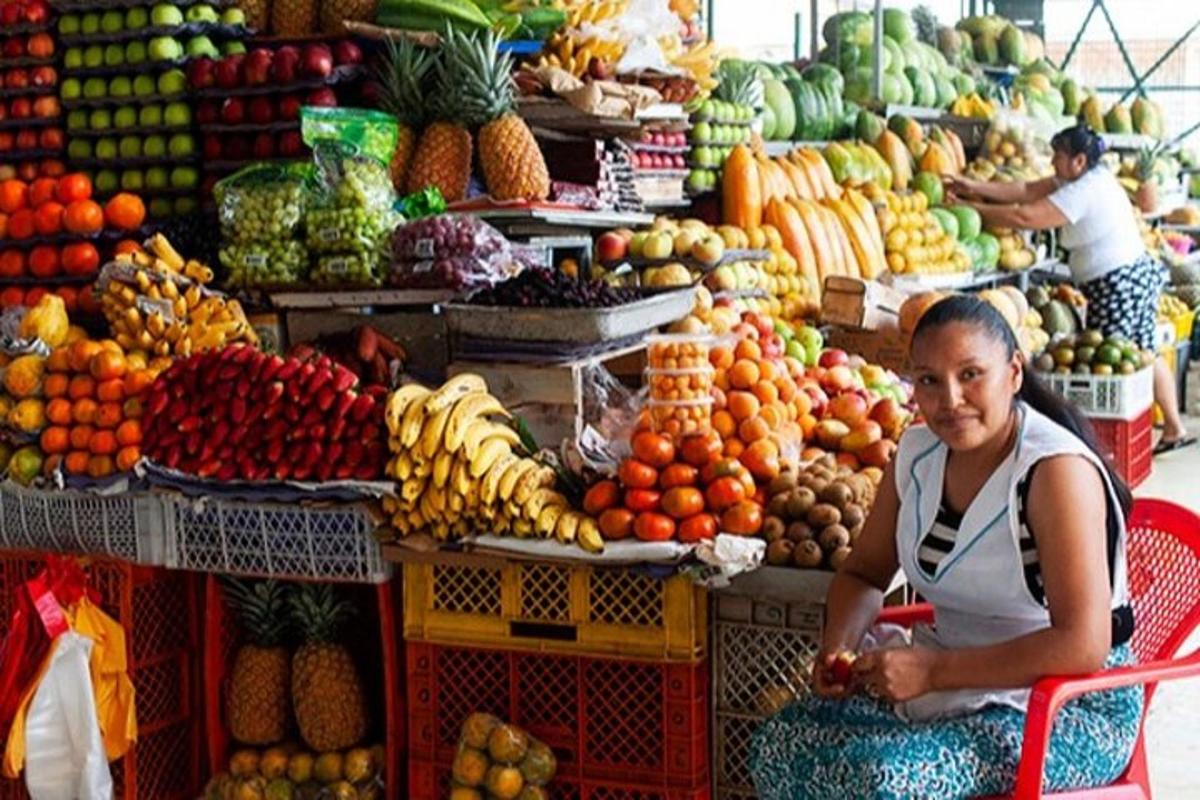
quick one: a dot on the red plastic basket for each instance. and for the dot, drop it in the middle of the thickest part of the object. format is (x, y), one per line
(431, 782)
(157, 608)
(220, 640)
(1129, 444)
(610, 721)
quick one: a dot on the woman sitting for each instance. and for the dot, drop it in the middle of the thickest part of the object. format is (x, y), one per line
(1003, 516)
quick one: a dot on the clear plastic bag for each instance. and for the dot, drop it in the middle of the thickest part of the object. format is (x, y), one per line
(457, 273)
(447, 236)
(610, 415)
(352, 148)
(261, 202)
(276, 263)
(1015, 146)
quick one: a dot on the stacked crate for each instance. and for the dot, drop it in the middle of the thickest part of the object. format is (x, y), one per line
(606, 666)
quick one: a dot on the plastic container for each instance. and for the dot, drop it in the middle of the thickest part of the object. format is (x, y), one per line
(610, 721)
(561, 608)
(1120, 397)
(428, 781)
(670, 385)
(1129, 444)
(669, 351)
(681, 417)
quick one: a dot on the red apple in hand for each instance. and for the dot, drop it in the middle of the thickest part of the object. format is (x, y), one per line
(840, 669)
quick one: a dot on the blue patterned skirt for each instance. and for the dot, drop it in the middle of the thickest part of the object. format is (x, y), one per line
(820, 749)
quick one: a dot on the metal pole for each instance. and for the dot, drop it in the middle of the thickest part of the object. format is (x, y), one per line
(709, 22)
(1078, 36)
(1137, 82)
(814, 22)
(1112, 26)
(796, 36)
(877, 44)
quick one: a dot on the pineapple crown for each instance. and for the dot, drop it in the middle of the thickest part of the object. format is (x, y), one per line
(926, 23)
(260, 607)
(401, 77)
(480, 76)
(318, 613)
(1147, 160)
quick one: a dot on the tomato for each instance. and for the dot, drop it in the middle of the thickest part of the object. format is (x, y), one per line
(697, 528)
(683, 502)
(642, 500)
(636, 475)
(651, 527)
(653, 448)
(601, 496)
(677, 475)
(724, 492)
(744, 517)
(700, 449)
(616, 523)
(721, 468)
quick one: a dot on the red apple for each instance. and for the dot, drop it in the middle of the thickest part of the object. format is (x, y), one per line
(820, 400)
(346, 52)
(745, 330)
(840, 673)
(40, 45)
(832, 358)
(237, 148)
(43, 76)
(264, 146)
(261, 110)
(878, 454)
(14, 47)
(26, 139)
(229, 71)
(891, 416)
(850, 408)
(212, 148)
(611, 247)
(838, 379)
(285, 64)
(22, 108)
(36, 12)
(51, 139)
(201, 73)
(322, 97)
(7, 140)
(10, 14)
(316, 61)
(233, 111)
(257, 66)
(289, 107)
(208, 112)
(290, 144)
(16, 79)
(27, 171)
(862, 436)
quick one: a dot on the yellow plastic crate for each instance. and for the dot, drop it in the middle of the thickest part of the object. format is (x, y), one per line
(556, 608)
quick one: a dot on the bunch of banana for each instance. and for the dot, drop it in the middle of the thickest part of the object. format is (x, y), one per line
(685, 9)
(973, 105)
(569, 50)
(160, 308)
(582, 12)
(459, 474)
(700, 60)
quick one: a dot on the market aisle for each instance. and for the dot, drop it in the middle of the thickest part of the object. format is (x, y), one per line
(1173, 738)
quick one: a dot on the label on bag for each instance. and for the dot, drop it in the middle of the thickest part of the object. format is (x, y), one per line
(424, 248)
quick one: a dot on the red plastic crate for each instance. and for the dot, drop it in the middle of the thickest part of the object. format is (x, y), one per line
(157, 608)
(610, 721)
(1128, 444)
(432, 782)
(220, 640)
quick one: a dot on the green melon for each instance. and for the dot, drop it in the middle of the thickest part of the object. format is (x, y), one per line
(948, 221)
(930, 185)
(991, 249)
(969, 222)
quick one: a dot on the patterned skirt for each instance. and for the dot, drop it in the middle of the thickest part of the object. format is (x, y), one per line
(858, 749)
(1125, 301)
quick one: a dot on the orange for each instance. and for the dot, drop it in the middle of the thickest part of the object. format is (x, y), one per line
(76, 463)
(111, 391)
(81, 386)
(773, 415)
(743, 405)
(42, 191)
(125, 211)
(3, 226)
(14, 195)
(733, 448)
(721, 357)
(724, 423)
(59, 360)
(767, 370)
(126, 246)
(100, 466)
(103, 443)
(753, 429)
(111, 346)
(81, 354)
(82, 216)
(73, 187)
(762, 459)
(108, 365)
(109, 416)
(766, 392)
(130, 433)
(55, 385)
(80, 258)
(22, 224)
(721, 380)
(80, 436)
(748, 348)
(743, 374)
(84, 411)
(137, 381)
(58, 411)
(48, 218)
(803, 403)
(127, 457)
(786, 388)
(55, 439)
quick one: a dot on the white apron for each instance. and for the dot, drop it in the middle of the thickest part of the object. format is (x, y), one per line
(979, 592)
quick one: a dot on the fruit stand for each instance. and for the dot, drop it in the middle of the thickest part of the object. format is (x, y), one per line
(476, 400)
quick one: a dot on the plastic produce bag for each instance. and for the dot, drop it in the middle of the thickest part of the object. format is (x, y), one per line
(262, 202)
(447, 236)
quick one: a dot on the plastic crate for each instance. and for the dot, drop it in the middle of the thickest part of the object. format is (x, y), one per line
(127, 526)
(432, 782)
(1121, 397)
(1129, 445)
(762, 653)
(220, 643)
(556, 608)
(610, 721)
(157, 609)
(327, 543)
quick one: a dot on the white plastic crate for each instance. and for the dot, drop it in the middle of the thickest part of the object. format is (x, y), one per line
(328, 543)
(1121, 397)
(127, 526)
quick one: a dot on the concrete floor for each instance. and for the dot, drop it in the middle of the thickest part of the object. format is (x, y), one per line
(1172, 733)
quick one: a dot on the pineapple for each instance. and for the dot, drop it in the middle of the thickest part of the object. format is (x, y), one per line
(258, 13)
(293, 18)
(512, 162)
(334, 12)
(257, 702)
(327, 692)
(443, 154)
(401, 79)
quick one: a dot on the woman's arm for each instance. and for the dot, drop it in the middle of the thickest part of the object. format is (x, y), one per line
(1038, 215)
(1071, 552)
(1001, 193)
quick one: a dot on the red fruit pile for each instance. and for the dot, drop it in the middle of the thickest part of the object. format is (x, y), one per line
(238, 413)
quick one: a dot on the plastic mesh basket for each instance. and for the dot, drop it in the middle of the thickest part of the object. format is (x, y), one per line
(328, 543)
(128, 526)
(1107, 396)
(432, 782)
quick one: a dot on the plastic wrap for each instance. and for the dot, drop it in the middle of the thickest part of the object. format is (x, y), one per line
(457, 273)
(265, 263)
(446, 236)
(609, 417)
(1015, 144)
(261, 202)
(457, 252)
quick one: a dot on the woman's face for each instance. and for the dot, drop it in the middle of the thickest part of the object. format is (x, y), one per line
(965, 384)
(1068, 167)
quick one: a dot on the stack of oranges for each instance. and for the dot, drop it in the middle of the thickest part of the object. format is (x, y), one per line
(93, 407)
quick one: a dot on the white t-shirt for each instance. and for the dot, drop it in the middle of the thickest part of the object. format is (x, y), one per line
(1101, 234)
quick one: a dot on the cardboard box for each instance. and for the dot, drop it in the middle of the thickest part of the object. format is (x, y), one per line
(888, 348)
(862, 305)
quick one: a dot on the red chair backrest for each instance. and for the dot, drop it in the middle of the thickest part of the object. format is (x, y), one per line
(1164, 577)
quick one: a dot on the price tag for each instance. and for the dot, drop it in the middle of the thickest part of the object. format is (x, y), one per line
(254, 260)
(329, 235)
(425, 248)
(339, 266)
(422, 266)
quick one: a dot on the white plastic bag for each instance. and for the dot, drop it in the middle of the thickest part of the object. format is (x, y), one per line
(65, 757)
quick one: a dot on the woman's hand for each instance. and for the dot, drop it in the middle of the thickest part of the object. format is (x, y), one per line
(958, 188)
(896, 674)
(831, 679)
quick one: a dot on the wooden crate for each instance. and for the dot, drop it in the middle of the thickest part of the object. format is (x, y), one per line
(421, 332)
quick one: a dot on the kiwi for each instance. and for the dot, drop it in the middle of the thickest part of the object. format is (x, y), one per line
(829, 461)
(853, 516)
(838, 494)
(773, 528)
(800, 501)
(834, 537)
(819, 485)
(779, 552)
(807, 555)
(800, 532)
(783, 482)
(838, 557)
(778, 505)
(823, 515)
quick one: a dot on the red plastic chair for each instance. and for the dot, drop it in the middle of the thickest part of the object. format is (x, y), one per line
(1164, 585)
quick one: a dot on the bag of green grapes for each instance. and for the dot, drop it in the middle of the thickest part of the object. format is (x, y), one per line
(260, 209)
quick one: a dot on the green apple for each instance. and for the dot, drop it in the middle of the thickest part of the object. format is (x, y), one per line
(112, 22)
(77, 120)
(157, 178)
(120, 86)
(106, 181)
(114, 55)
(181, 145)
(165, 48)
(130, 147)
(154, 146)
(177, 115)
(100, 119)
(143, 85)
(184, 205)
(71, 89)
(233, 16)
(202, 12)
(198, 46)
(136, 18)
(150, 116)
(135, 53)
(89, 24)
(68, 24)
(172, 82)
(233, 47)
(106, 149)
(79, 149)
(132, 180)
(184, 177)
(165, 15)
(73, 58)
(159, 207)
(125, 117)
(94, 88)
(93, 56)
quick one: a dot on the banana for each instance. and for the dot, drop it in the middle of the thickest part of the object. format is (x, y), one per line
(522, 528)
(412, 489)
(491, 481)
(460, 477)
(452, 390)
(488, 455)
(567, 525)
(399, 402)
(547, 520)
(480, 429)
(543, 478)
(589, 537)
(410, 428)
(422, 468)
(513, 474)
(434, 430)
(441, 468)
(532, 508)
(472, 408)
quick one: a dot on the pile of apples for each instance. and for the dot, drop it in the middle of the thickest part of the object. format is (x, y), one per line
(24, 12)
(160, 48)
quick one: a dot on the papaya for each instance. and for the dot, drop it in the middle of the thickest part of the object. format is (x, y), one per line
(897, 157)
(937, 160)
